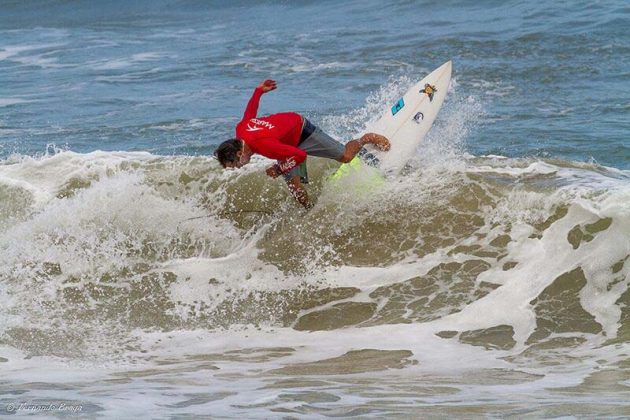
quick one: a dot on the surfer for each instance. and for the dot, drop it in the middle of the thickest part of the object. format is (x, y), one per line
(287, 137)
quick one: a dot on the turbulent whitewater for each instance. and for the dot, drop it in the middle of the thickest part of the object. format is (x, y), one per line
(464, 273)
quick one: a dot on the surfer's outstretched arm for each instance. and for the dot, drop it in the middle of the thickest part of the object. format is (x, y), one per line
(252, 106)
(298, 192)
(353, 146)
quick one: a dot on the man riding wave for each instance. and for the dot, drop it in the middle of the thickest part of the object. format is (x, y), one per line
(287, 137)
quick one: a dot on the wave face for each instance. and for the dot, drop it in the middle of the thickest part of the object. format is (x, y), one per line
(518, 267)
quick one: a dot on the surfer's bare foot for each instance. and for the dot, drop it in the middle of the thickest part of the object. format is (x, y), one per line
(354, 146)
(377, 140)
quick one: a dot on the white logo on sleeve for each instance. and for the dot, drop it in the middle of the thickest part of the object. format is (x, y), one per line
(287, 165)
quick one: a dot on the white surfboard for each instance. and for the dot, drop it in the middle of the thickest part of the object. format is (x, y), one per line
(409, 119)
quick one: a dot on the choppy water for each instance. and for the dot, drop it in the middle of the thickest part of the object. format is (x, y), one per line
(491, 279)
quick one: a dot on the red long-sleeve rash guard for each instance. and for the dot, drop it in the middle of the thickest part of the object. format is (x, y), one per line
(275, 136)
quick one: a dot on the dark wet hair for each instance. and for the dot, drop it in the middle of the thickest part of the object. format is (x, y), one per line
(226, 152)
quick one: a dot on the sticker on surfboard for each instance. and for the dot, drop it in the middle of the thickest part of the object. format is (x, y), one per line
(398, 106)
(418, 117)
(429, 90)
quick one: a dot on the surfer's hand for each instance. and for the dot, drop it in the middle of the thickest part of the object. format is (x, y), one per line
(308, 205)
(273, 171)
(267, 85)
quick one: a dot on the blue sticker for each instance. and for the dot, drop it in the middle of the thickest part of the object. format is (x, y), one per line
(398, 106)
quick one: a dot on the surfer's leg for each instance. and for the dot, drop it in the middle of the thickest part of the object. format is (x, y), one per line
(299, 171)
(354, 146)
(321, 144)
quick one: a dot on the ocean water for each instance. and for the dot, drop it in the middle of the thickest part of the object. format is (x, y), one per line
(137, 278)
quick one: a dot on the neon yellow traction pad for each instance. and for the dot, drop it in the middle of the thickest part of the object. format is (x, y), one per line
(361, 177)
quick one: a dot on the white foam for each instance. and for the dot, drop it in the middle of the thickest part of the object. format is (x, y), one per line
(541, 262)
(535, 168)
(12, 101)
(120, 63)
(14, 50)
(45, 176)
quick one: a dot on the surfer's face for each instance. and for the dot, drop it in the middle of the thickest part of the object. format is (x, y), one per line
(230, 154)
(237, 163)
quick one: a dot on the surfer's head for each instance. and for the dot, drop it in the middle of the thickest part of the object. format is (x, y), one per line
(229, 153)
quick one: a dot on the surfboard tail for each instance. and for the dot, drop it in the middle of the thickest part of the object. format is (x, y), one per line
(357, 176)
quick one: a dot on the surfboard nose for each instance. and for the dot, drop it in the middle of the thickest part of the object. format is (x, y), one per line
(448, 66)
